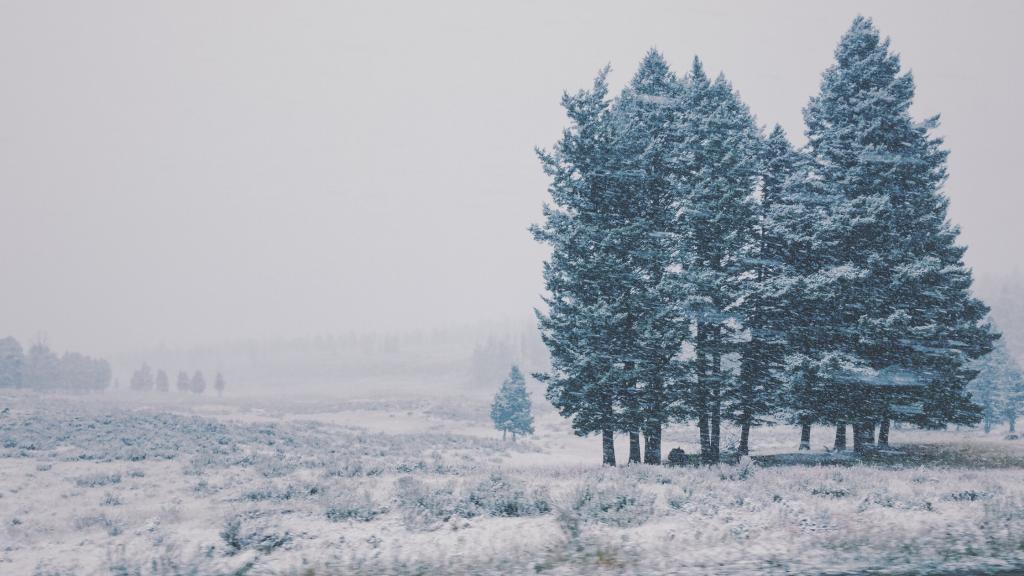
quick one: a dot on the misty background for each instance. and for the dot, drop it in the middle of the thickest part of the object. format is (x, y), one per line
(326, 191)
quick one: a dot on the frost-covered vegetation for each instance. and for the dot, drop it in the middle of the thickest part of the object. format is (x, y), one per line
(96, 487)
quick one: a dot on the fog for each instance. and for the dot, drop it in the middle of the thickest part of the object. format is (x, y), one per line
(185, 174)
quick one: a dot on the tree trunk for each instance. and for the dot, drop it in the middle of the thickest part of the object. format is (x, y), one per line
(863, 437)
(608, 447)
(652, 444)
(716, 429)
(840, 436)
(1013, 423)
(988, 425)
(883, 433)
(504, 432)
(705, 438)
(745, 437)
(805, 436)
(634, 447)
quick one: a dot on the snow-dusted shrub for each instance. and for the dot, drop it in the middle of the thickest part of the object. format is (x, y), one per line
(500, 495)
(110, 499)
(238, 537)
(424, 506)
(110, 525)
(97, 479)
(609, 499)
(351, 502)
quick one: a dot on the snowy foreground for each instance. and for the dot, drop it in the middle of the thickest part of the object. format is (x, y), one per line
(93, 486)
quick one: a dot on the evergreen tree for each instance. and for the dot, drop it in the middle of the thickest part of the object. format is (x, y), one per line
(715, 169)
(510, 411)
(198, 383)
(637, 214)
(184, 384)
(162, 382)
(583, 383)
(906, 303)
(12, 364)
(999, 387)
(765, 317)
(142, 379)
(42, 368)
(219, 384)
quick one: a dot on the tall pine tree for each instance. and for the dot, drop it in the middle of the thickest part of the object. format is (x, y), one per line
(907, 306)
(715, 170)
(578, 326)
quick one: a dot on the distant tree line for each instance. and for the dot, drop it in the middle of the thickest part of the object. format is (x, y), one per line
(144, 380)
(705, 271)
(999, 388)
(41, 369)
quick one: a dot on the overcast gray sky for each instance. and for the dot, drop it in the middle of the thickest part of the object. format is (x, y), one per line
(192, 171)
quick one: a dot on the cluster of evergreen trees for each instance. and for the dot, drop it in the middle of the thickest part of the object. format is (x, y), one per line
(41, 369)
(143, 380)
(702, 270)
(999, 388)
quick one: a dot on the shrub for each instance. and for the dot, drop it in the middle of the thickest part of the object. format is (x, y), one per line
(499, 495)
(610, 501)
(351, 503)
(238, 537)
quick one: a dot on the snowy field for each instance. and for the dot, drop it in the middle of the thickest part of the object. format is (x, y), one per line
(161, 486)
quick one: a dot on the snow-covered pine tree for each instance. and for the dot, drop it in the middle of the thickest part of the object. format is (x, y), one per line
(638, 210)
(198, 383)
(907, 308)
(12, 363)
(163, 384)
(42, 368)
(715, 169)
(766, 318)
(184, 384)
(999, 387)
(511, 411)
(583, 383)
(142, 379)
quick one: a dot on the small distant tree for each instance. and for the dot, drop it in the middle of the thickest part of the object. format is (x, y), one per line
(184, 383)
(511, 409)
(218, 384)
(162, 382)
(198, 383)
(42, 368)
(12, 363)
(999, 387)
(142, 379)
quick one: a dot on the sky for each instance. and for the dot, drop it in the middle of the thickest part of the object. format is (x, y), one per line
(190, 172)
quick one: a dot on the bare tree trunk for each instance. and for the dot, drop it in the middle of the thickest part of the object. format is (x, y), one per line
(716, 428)
(840, 436)
(805, 436)
(863, 437)
(716, 403)
(705, 438)
(634, 447)
(652, 444)
(745, 436)
(504, 432)
(988, 425)
(883, 433)
(1013, 423)
(608, 447)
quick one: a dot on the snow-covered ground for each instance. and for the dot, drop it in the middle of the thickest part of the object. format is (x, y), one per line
(424, 486)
